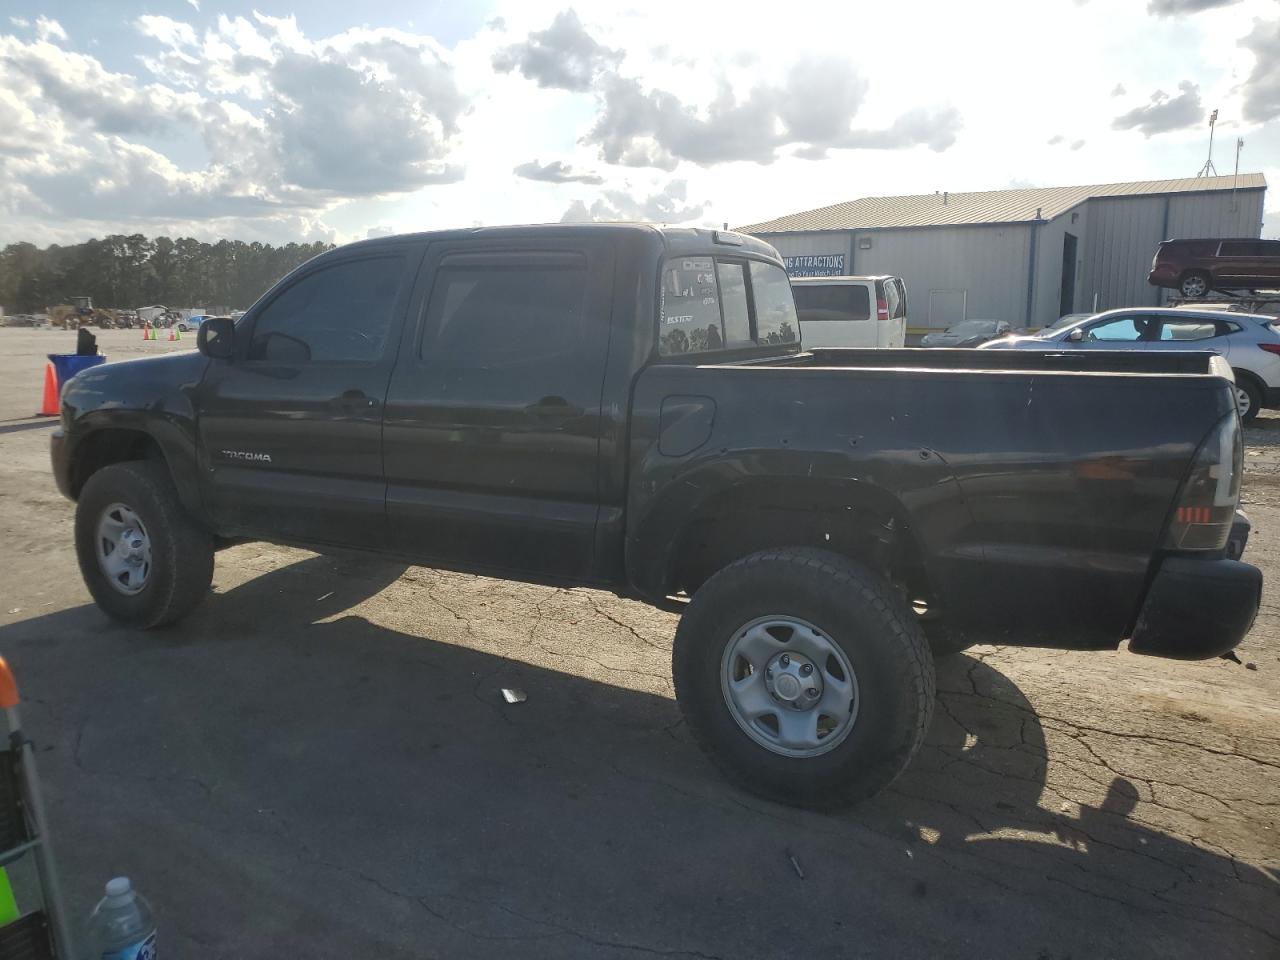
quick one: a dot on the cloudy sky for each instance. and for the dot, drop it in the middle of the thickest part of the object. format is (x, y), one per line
(338, 120)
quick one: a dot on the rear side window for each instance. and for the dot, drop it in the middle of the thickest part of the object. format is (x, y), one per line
(505, 310)
(733, 297)
(1189, 330)
(710, 304)
(1243, 248)
(690, 320)
(776, 320)
(336, 314)
(817, 303)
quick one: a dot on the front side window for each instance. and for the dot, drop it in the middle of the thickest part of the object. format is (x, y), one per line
(775, 310)
(820, 302)
(341, 313)
(502, 310)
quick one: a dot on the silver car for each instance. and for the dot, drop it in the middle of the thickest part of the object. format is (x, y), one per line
(1246, 340)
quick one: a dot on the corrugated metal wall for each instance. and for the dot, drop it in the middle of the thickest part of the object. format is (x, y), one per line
(985, 267)
(1123, 234)
(1049, 251)
(1216, 215)
(1119, 245)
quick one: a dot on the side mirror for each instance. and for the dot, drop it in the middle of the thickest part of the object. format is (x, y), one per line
(216, 338)
(1075, 336)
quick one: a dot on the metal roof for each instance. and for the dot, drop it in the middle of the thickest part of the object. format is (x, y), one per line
(989, 206)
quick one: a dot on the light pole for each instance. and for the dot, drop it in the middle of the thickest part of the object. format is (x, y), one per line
(1209, 170)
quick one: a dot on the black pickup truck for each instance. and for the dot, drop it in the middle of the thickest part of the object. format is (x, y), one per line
(628, 407)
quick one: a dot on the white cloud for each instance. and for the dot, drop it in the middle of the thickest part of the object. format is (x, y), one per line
(255, 127)
(47, 29)
(664, 206)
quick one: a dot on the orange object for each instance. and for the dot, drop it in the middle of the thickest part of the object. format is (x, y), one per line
(49, 405)
(146, 330)
(171, 336)
(8, 687)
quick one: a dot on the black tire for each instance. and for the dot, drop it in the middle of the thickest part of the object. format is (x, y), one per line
(1253, 392)
(1195, 284)
(855, 609)
(181, 568)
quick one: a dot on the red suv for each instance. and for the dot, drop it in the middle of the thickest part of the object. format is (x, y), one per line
(1194, 267)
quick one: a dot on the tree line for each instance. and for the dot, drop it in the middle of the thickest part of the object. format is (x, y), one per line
(126, 272)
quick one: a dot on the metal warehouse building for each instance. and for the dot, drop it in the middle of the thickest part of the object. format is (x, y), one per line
(1026, 256)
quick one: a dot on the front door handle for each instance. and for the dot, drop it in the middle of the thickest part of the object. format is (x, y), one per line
(553, 408)
(355, 401)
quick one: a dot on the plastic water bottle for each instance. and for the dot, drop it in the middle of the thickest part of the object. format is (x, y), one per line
(121, 926)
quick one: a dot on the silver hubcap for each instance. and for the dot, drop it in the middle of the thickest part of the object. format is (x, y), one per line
(789, 687)
(1243, 403)
(124, 549)
(1194, 287)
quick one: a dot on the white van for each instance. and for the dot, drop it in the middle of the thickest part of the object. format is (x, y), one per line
(851, 311)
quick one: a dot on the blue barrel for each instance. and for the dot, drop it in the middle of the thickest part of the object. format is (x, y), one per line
(67, 365)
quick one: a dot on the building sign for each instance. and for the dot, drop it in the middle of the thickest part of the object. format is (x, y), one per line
(816, 265)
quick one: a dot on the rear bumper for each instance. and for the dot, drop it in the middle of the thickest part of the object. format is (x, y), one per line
(61, 459)
(1163, 276)
(1197, 608)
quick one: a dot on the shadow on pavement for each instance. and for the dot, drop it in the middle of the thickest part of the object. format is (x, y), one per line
(284, 779)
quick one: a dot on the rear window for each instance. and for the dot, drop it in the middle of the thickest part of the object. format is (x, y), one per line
(775, 309)
(710, 304)
(816, 303)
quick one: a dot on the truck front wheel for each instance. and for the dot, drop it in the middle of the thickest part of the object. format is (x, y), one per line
(144, 560)
(804, 676)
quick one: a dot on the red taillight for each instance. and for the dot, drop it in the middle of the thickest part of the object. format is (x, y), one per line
(1271, 348)
(1207, 506)
(882, 308)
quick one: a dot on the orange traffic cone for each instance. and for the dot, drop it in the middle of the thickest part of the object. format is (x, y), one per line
(49, 406)
(171, 336)
(146, 330)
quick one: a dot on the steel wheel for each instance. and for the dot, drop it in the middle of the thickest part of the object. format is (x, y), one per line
(789, 687)
(123, 548)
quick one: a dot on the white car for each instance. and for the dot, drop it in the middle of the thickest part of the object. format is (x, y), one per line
(1246, 340)
(851, 311)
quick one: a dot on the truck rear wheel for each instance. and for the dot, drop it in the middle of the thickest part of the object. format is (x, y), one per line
(144, 560)
(804, 676)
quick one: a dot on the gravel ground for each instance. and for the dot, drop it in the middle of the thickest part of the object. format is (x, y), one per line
(320, 763)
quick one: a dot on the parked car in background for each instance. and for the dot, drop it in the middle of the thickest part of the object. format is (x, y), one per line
(1194, 267)
(967, 333)
(851, 311)
(190, 323)
(1246, 340)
